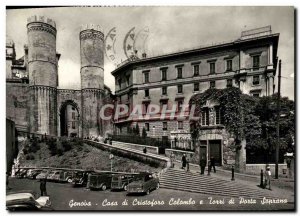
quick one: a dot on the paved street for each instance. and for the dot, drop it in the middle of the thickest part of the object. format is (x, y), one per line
(65, 197)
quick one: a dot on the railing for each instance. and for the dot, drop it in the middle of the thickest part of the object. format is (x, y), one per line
(158, 142)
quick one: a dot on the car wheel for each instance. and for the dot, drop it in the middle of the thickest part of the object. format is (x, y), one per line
(125, 187)
(148, 192)
(103, 187)
(69, 180)
(157, 186)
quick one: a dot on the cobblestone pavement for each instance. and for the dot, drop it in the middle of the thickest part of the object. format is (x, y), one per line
(64, 197)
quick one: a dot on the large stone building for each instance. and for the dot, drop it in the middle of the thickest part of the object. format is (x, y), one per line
(248, 63)
(34, 100)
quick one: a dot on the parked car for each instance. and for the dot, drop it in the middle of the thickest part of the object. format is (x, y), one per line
(54, 175)
(43, 174)
(80, 178)
(99, 181)
(26, 201)
(143, 183)
(21, 173)
(34, 173)
(121, 181)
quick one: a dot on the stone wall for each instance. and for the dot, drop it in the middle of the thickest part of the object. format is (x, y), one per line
(17, 100)
(256, 168)
(150, 149)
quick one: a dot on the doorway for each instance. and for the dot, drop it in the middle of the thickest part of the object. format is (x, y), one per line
(215, 151)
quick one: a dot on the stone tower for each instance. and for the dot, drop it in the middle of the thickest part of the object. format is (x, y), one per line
(43, 76)
(92, 79)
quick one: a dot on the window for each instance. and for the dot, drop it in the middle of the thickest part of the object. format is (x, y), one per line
(179, 105)
(73, 108)
(180, 125)
(146, 77)
(146, 92)
(164, 74)
(147, 126)
(127, 79)
(255, 80)
(196, 70)
(165, 126)
(164, 103)
(212, 84)
(229, 65)
(255, 60)
(164, 90)
(196, 86)
(146, 107)
(73, 125)
(219, 115)
(255, 93)
(73, 115)
(179, 72)
(205, 116)
(212, 67)
(179, 88)
(229, 83)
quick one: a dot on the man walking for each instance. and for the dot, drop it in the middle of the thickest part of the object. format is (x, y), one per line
(183, 160)
(268, 177)
(43, 187)
(202, 165)
(212, 163)
(172, 159)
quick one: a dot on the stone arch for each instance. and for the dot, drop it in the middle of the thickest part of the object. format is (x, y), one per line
(63, 125)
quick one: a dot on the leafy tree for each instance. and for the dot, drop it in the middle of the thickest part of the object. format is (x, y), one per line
(137, 129)
(144, 133)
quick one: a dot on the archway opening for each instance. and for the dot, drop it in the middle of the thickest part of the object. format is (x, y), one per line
(69, 119)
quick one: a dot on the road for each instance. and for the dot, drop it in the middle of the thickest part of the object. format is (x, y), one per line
(65, 197)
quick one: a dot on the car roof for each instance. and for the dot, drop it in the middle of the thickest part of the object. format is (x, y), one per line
(19, 196)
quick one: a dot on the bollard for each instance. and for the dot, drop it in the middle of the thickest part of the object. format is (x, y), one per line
(262, 178)
(232, 173)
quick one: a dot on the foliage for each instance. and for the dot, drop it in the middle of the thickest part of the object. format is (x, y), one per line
(144, 133)
(250, 118)
(137, 129)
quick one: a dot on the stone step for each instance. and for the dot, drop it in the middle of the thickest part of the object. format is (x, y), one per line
(210, 187)
(223, 193)
(185, 181)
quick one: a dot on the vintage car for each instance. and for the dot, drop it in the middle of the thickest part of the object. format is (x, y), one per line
(143, 183)
(43, 174)
(121, 181)
(80, 178)
(98, 181)
(26, 201)
(34, 173)
(54, 175)
(21, 173)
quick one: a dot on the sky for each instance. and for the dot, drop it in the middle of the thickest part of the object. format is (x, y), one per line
(170, 29)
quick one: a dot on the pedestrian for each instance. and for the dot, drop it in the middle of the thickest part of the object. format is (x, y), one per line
(43, 187)
(172, 159)
(202, 164)
(268, 177)
(187, 165)
(213, 163)
(145, 150)
(183, 161)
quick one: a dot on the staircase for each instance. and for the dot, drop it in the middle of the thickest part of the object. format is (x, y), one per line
(211, 185)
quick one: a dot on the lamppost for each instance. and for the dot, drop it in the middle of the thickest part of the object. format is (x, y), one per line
(111, 157)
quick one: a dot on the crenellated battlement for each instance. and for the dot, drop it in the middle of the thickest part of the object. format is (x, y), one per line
(41, 19)
(91, 27)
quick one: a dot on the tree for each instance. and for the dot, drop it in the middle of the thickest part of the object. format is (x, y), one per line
(144, 133)
(137, 129)
(239, 119)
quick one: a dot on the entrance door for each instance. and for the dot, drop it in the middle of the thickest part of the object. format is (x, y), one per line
(215, 150)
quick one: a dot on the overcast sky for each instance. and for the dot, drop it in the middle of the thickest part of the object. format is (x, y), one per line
(170, 29)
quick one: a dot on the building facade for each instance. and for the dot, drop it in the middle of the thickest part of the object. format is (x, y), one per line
(34, 100)
(248, 63)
